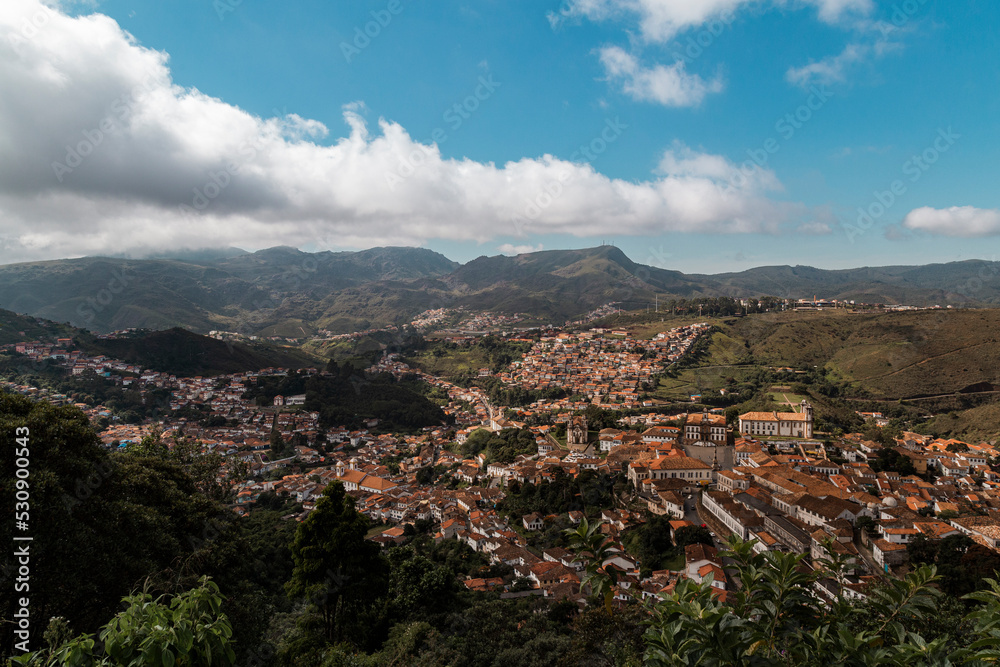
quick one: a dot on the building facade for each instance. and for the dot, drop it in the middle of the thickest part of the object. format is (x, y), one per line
(779, 424)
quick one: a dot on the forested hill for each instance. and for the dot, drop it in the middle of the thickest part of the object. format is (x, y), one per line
(183, 353)
(288, 292)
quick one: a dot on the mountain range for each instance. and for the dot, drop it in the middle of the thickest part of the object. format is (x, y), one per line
(285, 291)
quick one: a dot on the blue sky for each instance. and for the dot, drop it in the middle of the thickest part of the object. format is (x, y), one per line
(358, 141)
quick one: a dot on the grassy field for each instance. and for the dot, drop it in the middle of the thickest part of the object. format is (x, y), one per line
(891, 355)
(787, 398)
(973, 425)
(454, 362)
(722, 360)
(952, 355)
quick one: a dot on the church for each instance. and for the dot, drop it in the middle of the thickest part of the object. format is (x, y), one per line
(779, 424)
(577, 436)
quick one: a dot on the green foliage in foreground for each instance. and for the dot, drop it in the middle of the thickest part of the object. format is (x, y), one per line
(186, 631)
(778, 618)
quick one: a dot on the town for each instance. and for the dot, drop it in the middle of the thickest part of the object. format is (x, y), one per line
(766, 477)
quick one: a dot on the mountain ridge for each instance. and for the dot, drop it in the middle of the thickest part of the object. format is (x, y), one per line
(285, 288)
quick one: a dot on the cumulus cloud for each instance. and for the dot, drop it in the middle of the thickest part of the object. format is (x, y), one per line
(102, 152)
(670, 86)
(961, 221)
(509, 249)
(662, 20)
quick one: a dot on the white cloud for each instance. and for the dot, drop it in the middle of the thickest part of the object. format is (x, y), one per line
(101, 152)
(662, 20)
(509, 249)
(961, 221)
(872, 40)
(830, 69)
(815, 228)
(834, 11)
(670, 86)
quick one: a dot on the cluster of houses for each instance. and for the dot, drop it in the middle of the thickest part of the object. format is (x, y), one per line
(804, 502)
(609, 370)
(773, 483)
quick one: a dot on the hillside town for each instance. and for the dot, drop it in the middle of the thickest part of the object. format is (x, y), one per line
(765, 477)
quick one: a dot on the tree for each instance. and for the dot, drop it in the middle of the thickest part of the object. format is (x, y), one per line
(336, 568)
(188, 630)
(593, 548)
(922, 551)
(111, 521)
(650, 542)
(865, 523)
(279, 448)
(693, 535)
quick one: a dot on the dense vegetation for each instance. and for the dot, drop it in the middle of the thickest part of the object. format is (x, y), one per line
(129, 404)
(183, 353)
(589, 492)
(15, 328)
(650, 542)
(105, 525)
(502, 447)
(351, 397)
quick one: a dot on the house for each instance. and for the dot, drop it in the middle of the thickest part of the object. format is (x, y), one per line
(660, 435)
(718, 575)
(984, 527)
(676, 467)
(696, 557)
(667, 503)
(886, 553)
(533, 521)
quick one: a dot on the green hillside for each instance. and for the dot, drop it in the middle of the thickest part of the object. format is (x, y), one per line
(287, 291)
(183, 353)
(15, 328)
(940, 362)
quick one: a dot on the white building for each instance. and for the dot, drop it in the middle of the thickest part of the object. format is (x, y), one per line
(779, 424)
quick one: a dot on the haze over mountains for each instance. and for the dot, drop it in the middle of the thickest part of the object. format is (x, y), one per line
(286, 291)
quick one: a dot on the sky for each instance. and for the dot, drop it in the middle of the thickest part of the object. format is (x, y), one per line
(699, 135)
